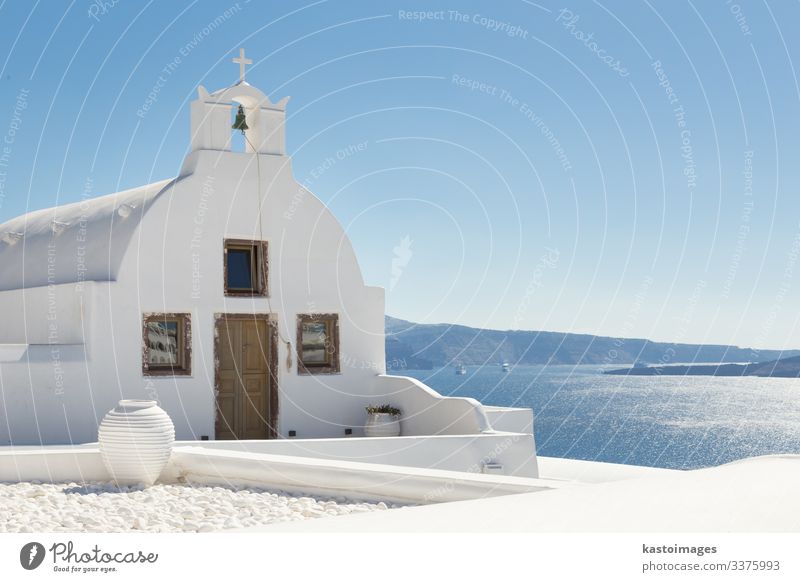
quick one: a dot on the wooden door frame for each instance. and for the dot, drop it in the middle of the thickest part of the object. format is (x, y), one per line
(272, 326)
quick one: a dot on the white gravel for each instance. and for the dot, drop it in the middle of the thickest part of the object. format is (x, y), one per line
(103, 507)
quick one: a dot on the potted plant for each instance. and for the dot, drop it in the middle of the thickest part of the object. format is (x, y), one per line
(382, 421)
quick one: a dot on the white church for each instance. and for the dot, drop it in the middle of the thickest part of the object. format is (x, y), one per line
(230, 294)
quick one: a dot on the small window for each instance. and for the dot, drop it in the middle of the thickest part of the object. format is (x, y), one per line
(318, 344)
(167, 344)
(245, 267)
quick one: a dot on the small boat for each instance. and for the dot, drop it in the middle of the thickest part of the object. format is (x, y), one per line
(506, 367)
(461, 370)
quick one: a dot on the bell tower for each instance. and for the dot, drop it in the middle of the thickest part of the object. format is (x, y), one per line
(211, 117)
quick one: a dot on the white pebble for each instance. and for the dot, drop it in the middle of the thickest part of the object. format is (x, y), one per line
(104, 507)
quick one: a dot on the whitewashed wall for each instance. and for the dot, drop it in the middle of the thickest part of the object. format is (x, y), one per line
(175, 264)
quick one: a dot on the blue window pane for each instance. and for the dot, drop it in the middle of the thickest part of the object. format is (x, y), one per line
(239, 269)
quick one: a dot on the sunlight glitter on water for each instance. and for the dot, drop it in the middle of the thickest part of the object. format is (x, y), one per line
(663, 421)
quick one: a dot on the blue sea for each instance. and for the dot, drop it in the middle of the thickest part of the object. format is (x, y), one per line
(666, 421)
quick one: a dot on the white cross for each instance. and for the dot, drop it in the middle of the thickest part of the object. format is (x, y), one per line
(242, 62)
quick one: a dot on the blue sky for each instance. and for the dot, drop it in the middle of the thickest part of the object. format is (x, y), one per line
(615, 168)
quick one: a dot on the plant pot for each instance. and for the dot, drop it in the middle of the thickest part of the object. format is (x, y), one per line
(381, 424)
(136, 441)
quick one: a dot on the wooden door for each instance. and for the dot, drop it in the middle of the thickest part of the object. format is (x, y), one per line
(243, 379)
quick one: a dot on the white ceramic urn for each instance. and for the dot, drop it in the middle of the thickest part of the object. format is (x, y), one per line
(136, 441)
(382, 424)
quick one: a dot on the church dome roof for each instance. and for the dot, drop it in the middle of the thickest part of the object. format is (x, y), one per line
(82, 241)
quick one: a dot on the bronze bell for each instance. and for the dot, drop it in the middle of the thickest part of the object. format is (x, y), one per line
(241, 121)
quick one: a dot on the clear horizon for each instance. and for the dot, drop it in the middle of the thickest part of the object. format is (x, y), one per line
(597, 168)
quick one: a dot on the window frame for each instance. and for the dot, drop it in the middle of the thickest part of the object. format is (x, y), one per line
(259, 260)
(184, 328)
(332, 365)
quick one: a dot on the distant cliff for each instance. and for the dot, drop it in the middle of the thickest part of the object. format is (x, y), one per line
(414, 345)
(780, 368)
